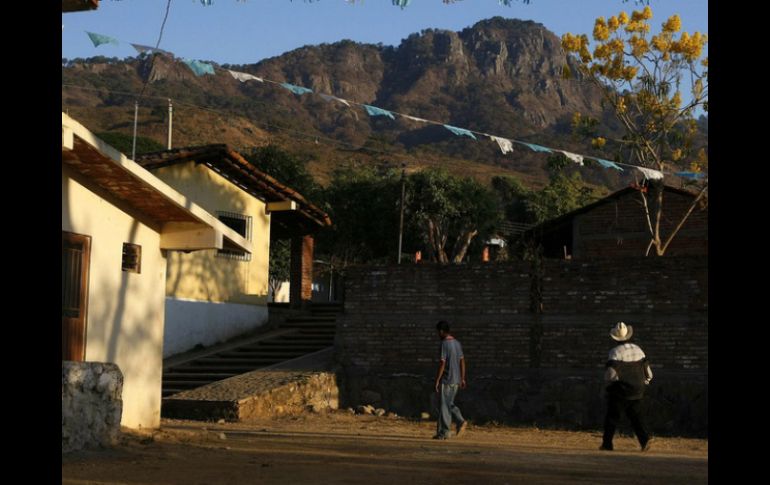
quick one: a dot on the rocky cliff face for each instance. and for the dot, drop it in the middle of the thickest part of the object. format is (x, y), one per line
(500, 76)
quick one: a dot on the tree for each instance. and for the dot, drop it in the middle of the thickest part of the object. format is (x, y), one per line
(124, 143)
(286, 169)
(515, 199)
(280, 264)
(363, 206)
(451, 210)
(642, 78)
(564, 193)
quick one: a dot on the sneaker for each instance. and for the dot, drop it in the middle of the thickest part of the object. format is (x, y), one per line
(646, 445)
(439, 437)
(606, 448)
(461, 428)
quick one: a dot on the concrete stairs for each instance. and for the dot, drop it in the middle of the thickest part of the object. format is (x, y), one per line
(297, 336)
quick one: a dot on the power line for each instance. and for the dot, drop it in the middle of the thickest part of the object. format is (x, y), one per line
(157, 44)
(266, 124)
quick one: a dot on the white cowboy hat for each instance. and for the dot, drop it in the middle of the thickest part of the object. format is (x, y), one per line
(621, 332)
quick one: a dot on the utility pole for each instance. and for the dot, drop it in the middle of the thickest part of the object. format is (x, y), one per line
(170, 122)
(136, 115)
(401, 225)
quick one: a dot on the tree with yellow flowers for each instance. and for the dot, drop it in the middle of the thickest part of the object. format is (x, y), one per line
(642, 78)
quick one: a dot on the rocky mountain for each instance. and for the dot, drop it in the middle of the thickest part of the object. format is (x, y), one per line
(500, 76)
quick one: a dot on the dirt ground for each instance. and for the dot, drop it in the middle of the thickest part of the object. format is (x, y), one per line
(342, 448)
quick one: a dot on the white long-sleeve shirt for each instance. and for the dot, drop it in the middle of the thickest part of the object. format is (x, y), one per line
(627, 352)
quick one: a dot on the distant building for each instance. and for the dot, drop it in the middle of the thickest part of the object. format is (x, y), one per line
(120, 226)
(216, 295)
(616, 227)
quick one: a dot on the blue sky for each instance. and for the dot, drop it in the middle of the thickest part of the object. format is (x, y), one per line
(243, 32)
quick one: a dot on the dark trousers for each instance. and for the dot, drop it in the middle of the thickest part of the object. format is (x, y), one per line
(616, 406)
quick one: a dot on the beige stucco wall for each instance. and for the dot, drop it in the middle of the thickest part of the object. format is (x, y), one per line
(125, 310)
(201, 275)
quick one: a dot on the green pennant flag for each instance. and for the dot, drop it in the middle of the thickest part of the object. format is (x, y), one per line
(99, 39)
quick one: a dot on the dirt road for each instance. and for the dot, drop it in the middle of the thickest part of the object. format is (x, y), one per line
(341, 448)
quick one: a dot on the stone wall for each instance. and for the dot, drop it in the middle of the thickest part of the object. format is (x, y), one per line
(91, 404)
(304, 384)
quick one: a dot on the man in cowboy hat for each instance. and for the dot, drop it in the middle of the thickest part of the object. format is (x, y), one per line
(627, 375)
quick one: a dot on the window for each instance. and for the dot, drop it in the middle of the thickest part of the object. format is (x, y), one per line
(242, 225)
(71, 278)
(132, 258)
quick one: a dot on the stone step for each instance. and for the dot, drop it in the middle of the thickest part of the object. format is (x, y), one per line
(308, 344)
(306, 324)
(188, 384)
(299, 349)
(298, 327)
(311, 319)
(170, 391)
(235, 369)
(327, 308)
(267, 351)
(294, 348)
(310, 335)
(237, 360)
(200, 376)
(296, 339)
(306, 337)
(272, 353)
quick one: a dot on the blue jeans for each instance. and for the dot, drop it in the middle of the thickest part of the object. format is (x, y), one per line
(447, 409)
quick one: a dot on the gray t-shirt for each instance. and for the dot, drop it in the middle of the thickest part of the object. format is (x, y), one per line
(451, 352)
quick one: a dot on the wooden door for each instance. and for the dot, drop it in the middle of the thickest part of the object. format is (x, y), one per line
(75, 258)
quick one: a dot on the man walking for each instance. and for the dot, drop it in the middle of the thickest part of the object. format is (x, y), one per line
(626, 376)
(450, 377)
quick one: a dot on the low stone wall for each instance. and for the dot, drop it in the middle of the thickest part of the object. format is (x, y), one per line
(91, 404)
(289, 388)
(293, 394)
(260, 394)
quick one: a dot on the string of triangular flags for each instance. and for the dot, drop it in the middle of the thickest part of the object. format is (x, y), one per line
(399, 3)
(201, 68)
(505, 144)
(405, 3)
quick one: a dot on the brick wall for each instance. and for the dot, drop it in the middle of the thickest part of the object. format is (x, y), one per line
(619, 228)
(387, 332)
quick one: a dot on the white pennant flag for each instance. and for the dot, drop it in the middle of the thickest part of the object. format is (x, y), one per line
(329, 97)
(650, 173)
(574, 157)
(415, 119)
(505, 144)
(243, 77)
